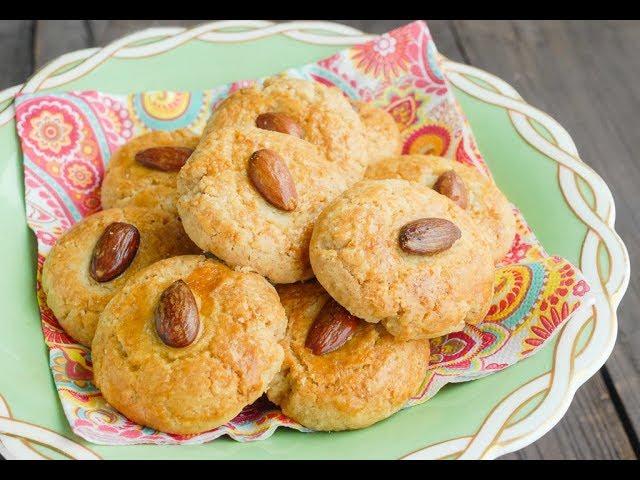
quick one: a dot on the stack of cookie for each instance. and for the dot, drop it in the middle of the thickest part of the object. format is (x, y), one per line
(195, 286)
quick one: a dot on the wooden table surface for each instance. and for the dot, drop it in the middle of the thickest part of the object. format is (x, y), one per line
(585, 75)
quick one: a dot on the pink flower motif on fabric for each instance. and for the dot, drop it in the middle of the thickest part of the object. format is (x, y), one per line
(50, 132)
(431, 139)
(462, 155)
(50, 128)
(404, 109)
(113, 115)
(385, 45)
(80, 176)
(329, 62)
(386, 55)
(424, 72)
(547, 325)
(518, 250)
(581, 288)
(46, 213)
(450, 349)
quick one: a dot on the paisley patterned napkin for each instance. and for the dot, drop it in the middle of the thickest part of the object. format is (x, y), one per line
(68, 138)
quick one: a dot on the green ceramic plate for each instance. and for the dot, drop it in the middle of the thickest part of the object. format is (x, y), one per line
(532, 157)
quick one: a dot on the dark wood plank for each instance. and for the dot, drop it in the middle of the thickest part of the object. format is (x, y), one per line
(589, 430)
(373, 26)
(584, 74)
(15, 56)
(53, 38)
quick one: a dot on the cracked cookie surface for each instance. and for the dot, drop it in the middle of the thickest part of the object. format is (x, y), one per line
(356, 256)
(235, 355)
(324, 114)
(488, 206)
(380, 130)
(367, 379)
(73, 295)
(224, 213)
(127, 182)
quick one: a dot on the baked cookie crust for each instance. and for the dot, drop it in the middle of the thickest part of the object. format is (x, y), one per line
(356, 256)
(381, 131)
(73, 295)
(224, 213)
(488, 206)
(188, 390)
(367, 379)
(127, 182)
(324, 114)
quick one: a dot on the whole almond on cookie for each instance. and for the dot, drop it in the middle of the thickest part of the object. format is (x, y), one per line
(166, 159)
(270, 176)
(451, 185)
(115, 250)
(331, 329)
(279, 122)
(428, 236)
(176, 317)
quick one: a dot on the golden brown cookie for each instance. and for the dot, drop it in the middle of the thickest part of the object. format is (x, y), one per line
(230, 355)
(365, 380)
(323, 117)
(73, 294)
(381, 131)
(131, 179)
(486, 204)
(359, 253)
(227, 202)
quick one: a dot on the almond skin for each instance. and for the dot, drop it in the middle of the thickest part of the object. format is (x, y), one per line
(166, 159)
(451, 185)
(176, 317)
(115, 250)
(270, 176)
(279, 122)
(331, 329)
(427, 236)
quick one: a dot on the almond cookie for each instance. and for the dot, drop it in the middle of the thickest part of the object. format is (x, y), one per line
(187, 343)
(143, 172)
(365, 377)
(302, 108)
(381, 131)
(399, 253)
(474, 192)
(250, 197)
(92, 261)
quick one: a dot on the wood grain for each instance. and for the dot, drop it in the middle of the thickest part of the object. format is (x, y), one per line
(49, 43)
(589, 430)
(16, 59)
